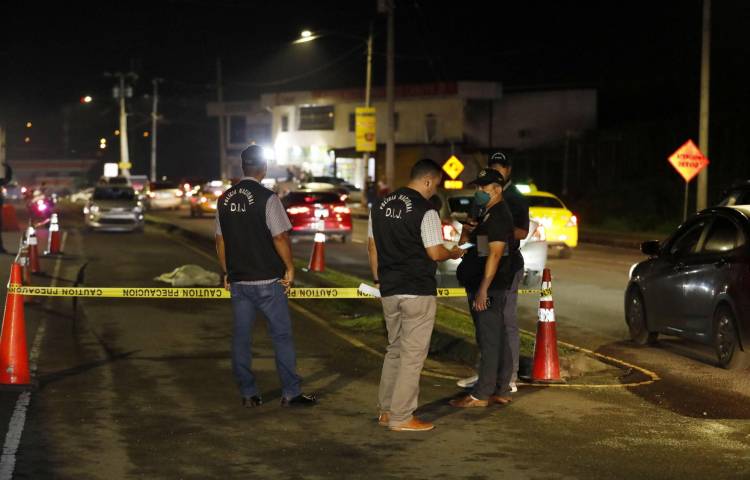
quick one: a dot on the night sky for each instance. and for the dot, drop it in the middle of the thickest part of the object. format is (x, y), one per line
(643, 56)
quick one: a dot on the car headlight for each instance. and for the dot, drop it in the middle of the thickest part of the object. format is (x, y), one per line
(137, 209)
(94, 208)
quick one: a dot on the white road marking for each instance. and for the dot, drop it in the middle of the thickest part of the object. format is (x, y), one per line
(18, 419)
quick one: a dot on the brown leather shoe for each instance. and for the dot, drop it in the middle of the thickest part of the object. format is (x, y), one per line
(467, 401)
(413, 425)
(500, 399)
(383, 418)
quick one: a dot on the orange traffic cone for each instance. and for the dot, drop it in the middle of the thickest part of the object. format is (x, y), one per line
(546, 367)
(32, 242)
(23, 260)
(53, 237)
(318, 257)
(10, 220)
(14, 357)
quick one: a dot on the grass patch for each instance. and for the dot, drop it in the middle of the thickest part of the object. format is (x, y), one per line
(366, 316)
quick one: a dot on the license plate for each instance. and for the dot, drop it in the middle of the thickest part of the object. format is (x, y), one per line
(321, 212)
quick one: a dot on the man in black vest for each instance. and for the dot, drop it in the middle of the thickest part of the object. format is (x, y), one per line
(405, 242)
(519, 209)
(252, 242)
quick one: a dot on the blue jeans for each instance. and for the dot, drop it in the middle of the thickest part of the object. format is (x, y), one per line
(272, 301)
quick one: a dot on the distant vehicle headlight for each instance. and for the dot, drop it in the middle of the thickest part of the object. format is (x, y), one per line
(137, 209)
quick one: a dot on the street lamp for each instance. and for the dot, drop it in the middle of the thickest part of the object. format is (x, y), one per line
(87, 99)
(308, 36)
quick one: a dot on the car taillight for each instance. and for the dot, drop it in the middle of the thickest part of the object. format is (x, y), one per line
(450, 234)
(342, 210)
(297, 210)
(204, 199)
(572, 222)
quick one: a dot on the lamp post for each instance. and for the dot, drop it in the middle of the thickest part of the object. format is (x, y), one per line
(308, 36)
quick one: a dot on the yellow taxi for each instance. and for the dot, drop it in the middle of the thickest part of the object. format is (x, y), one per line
(203, 201)
(559, 225)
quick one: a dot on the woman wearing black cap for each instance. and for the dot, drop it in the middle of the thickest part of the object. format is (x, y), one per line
(484, 273)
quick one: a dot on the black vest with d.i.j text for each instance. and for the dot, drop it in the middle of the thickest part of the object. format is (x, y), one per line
(404, 268)
(248, 245)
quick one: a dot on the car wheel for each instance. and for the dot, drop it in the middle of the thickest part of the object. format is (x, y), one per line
(635, 316)
(566, 252)
(726, 342)
(344, 238)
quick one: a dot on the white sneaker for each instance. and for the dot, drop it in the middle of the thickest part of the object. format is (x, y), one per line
(468, 382)
(513, 387)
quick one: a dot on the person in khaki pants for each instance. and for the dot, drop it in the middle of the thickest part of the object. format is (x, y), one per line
(405, 242)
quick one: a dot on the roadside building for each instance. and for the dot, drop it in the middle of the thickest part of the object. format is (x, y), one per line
(314, 130)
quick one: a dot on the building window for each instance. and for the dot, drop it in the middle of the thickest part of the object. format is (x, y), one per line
(285, 123)
(430, 127)
(352, 122)
(259, 133)
(316, 118)
(237, 129)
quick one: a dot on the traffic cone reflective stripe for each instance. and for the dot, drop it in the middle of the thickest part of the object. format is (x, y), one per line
(32, 242)
(53, 239)
(318, 257)
(14, 357)
(546, 367)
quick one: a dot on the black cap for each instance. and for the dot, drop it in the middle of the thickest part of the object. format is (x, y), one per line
(253, 156)
(487, 176)
(499, 158)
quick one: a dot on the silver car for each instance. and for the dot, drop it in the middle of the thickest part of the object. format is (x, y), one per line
(454, 208)
(114, 208)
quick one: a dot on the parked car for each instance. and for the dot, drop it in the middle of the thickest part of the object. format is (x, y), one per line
(695, 285)
(354, 193)
(318, 211)
(455, 206)
(114, 208)
(163, 195)
(203, 201)
(559, 223)
(13, 191)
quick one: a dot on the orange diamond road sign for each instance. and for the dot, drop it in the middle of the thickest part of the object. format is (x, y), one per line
(453, 167)
(688, 161)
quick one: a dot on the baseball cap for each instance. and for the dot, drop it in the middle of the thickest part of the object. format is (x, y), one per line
(253, 156)
(487, 176)
(499, 158)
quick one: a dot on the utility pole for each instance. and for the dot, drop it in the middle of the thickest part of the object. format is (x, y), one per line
(222, 131)
(368, 92)
(702, 197)
(154, 118)
(121, 91)
(390, 140)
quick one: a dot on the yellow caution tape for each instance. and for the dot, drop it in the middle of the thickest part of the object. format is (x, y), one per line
(208, 293)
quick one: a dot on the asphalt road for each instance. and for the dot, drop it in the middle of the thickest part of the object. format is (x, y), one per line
(142, 389)
(588, 292)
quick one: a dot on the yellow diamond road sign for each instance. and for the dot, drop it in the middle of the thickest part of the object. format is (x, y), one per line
(453, 167)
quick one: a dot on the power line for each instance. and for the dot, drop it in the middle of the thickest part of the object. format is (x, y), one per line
(283, 81)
